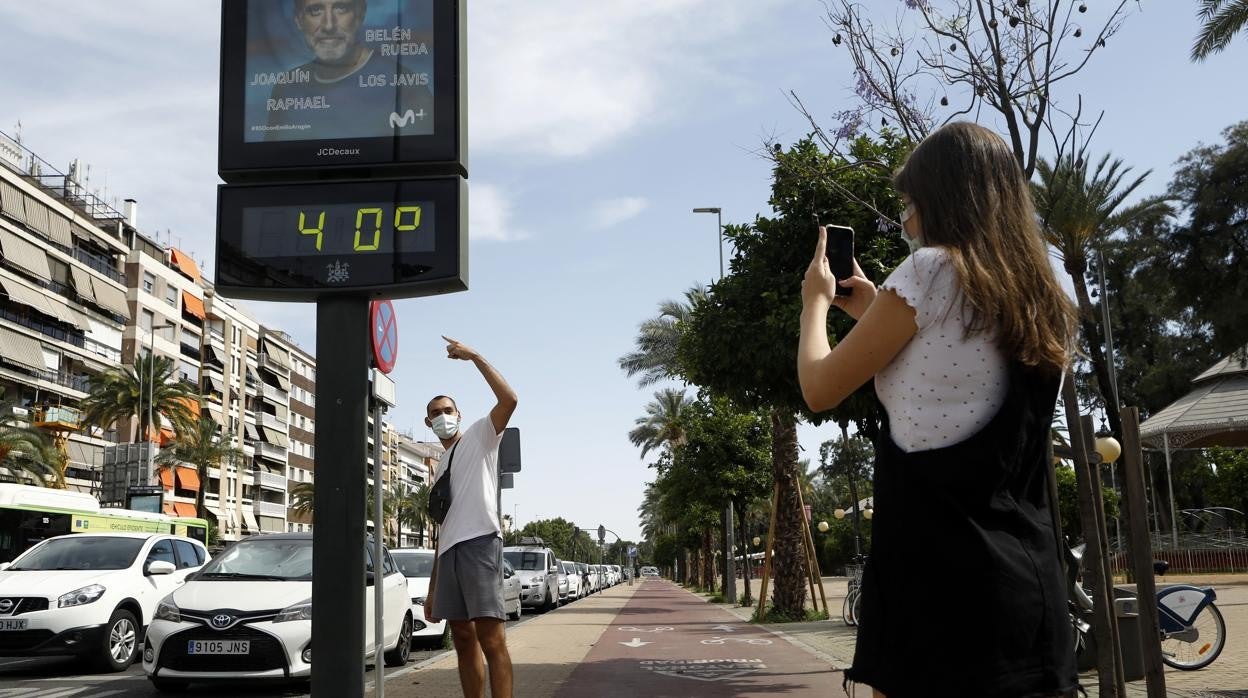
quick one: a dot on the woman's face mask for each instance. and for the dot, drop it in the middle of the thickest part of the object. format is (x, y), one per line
(912, 239)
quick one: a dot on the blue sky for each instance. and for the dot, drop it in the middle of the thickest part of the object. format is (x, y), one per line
(595, 128)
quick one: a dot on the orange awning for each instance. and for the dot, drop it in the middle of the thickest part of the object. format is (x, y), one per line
(169, 509)
(192, 305)
(166, 478)
(185, 509)
(183, 263)
(189, 478)
(164, 437)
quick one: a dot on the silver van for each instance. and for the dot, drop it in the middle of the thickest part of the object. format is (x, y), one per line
(538, 570)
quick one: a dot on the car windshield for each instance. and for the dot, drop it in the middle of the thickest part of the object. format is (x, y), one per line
(263, 558)
(526, 561)
(82, 553)
(414, 564)
(569, 568)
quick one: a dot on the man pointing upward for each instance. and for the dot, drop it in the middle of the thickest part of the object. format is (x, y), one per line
(466, 587)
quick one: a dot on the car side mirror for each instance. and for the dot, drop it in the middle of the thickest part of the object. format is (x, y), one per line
(554, 569)
(156, 567)
(507, 574)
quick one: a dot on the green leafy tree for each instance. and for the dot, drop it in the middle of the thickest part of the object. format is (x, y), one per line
(564, 538)
(1068, 503)
(1209, 251)
(412, 510)
(302, 498)
(741, 341)
(201, 447)
(122, 392)
(1221, 20)
(1079, 210)
(1230, 487)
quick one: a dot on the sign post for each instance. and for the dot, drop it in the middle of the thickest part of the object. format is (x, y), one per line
(345, 164)
(384, 337)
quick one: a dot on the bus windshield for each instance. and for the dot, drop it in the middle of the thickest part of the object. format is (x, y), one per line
(81, 553)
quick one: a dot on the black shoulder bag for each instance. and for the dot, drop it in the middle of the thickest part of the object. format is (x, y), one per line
(440, 493)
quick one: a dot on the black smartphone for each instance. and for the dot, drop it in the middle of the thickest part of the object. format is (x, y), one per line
(840, 254)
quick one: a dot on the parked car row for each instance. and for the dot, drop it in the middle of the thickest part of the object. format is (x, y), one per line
(546, 582)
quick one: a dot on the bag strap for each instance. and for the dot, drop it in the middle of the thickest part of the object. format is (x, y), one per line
(450, 459)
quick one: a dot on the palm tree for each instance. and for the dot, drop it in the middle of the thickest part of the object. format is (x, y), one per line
(1078, 213)
(303, 501)
(202, 447)
(658, 339)
(26, 453)
(1222, 19)
(121, 392)
(302, 498)
(661, 427)
(412, 511)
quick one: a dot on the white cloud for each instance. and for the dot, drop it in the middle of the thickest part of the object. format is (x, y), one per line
(490, 216)
(611, 212)
(564, 78)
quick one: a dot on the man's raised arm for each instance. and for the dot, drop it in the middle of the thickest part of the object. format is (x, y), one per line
(507, 400)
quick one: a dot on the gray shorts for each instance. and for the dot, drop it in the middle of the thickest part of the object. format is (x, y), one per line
(470, 580)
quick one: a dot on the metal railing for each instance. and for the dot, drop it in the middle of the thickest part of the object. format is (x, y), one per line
(98, 263)
(270, 480)
(267, 449)
(273, 392)
(271, 509)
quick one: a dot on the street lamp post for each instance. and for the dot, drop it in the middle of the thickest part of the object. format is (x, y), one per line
(730, 583)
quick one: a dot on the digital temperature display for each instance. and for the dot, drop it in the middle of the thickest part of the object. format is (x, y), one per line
(294, 241)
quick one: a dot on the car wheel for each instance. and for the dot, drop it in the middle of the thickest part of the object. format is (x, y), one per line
(516, 615)
(120, 642)
(169, 686)
(403, 648)
(552, 601)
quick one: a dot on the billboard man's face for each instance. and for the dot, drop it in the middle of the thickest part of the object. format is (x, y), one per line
(331, 28)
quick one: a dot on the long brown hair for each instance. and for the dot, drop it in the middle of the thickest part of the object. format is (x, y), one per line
(974, 201)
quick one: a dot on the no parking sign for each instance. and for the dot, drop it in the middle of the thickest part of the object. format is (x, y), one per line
(384, 329)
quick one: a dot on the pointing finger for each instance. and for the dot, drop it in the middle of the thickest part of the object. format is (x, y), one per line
(821, 247)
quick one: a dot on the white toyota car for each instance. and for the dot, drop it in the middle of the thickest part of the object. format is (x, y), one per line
(248, 615)
(90, 594)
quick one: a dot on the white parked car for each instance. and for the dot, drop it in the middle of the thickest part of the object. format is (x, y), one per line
(574, 580)
(650, 572)
(536, 566)
(417, 565)
(91, 594)
(248, 615)
(511, 591)
(595, 579)
(617, 574)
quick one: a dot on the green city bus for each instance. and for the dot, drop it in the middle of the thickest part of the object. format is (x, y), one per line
(30, 514)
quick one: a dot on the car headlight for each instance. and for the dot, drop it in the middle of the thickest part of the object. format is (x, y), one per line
(168, 610)
(299, 611)
(418, 600)
(539, 578)
(80, 597)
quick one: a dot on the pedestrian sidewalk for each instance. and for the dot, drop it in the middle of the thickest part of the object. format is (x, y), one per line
(651, 639)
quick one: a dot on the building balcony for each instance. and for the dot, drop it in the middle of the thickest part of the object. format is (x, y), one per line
(58, 418)
(266, 360)
(268, 450)
(272, 422)
(274, 393)
(271, 481)
(271, 509)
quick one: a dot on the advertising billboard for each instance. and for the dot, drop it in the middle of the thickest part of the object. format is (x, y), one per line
(340, 83)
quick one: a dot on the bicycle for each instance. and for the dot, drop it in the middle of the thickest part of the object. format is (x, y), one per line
(853, 599)
(1193, 631)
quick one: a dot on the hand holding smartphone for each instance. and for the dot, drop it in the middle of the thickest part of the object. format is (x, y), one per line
(840, 254)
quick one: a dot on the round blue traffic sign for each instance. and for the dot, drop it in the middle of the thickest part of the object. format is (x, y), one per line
(385, 335)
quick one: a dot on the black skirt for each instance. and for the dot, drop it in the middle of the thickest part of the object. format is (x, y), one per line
(963, 593)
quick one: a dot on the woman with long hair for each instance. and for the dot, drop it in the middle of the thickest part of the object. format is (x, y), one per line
(967, 341)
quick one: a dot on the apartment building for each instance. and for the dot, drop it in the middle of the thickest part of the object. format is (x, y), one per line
(414, 463)
(63, 301)
(301, 465)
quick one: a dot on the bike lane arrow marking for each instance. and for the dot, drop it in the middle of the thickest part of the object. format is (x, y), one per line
(725, 628)
(636, 643)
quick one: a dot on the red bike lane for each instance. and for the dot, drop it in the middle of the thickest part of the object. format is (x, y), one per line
(669, 642)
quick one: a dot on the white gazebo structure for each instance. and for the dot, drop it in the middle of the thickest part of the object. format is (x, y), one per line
(1213, 413)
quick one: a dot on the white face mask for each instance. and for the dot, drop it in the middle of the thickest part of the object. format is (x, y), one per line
(913, 243)
(445, 426)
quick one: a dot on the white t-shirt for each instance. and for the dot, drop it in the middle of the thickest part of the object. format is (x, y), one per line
(474, 485)
(943, 386)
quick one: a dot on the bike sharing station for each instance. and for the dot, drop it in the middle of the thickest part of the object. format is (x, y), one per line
(1120, 632)
(343, 148)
